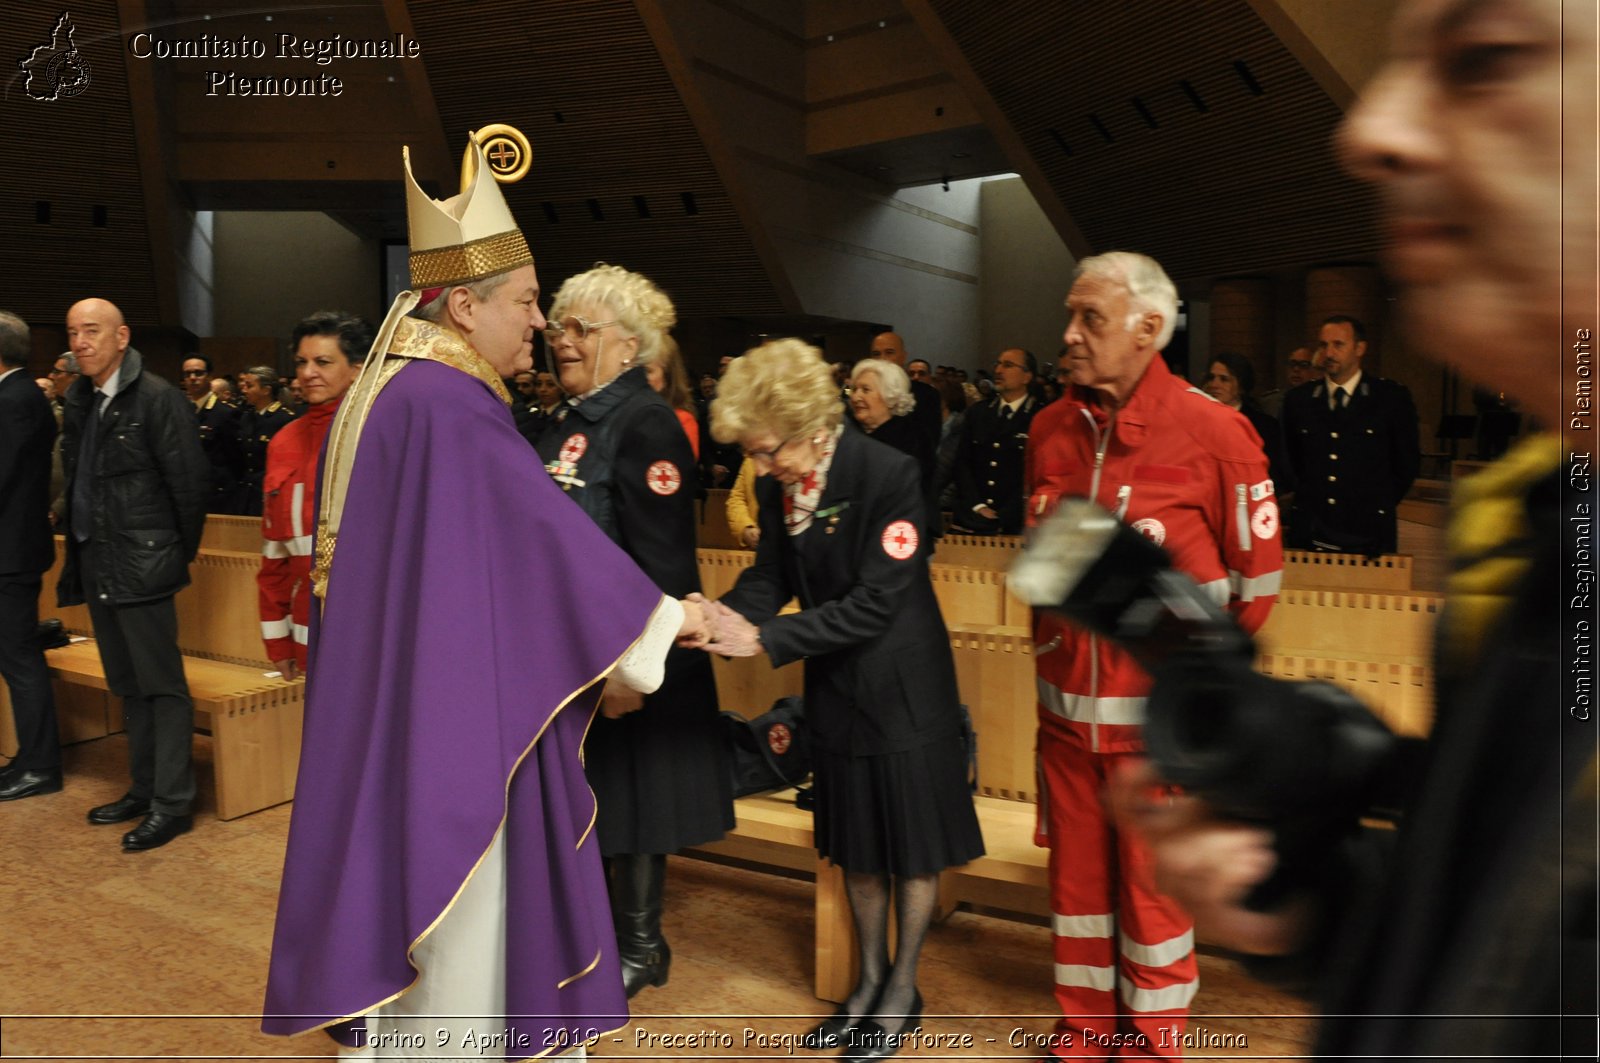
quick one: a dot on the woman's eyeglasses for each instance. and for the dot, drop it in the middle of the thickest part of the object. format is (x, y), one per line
(577, 327)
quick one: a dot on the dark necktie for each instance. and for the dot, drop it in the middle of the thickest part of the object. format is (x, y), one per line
(80, 518)
(1341, 398)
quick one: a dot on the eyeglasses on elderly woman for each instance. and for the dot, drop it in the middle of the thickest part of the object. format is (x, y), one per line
(577, 327)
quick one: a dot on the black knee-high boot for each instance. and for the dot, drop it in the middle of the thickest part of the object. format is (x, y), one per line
(636, 886)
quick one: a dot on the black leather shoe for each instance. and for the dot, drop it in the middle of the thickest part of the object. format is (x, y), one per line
(19, 784)
(121, 810)
(158, 829)
(871, 1041)
(832, 1031)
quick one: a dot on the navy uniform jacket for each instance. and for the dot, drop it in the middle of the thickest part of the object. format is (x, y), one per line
(256, 429)
(989, 466)
(27, 437)
(879, 675)
(1352, 467)
(660, 774)
(219, 438)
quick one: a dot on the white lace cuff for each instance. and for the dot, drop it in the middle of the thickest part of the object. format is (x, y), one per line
(644, 665)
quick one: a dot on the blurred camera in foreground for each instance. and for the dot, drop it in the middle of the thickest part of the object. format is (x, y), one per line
(1303, 759)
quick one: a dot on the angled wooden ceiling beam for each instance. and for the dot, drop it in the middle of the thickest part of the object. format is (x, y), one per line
(431, 159)
(160, 191)
(955, 61)
(720, 152)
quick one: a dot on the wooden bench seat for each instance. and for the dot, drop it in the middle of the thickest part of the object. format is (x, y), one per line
(254, 719)
(254, 722)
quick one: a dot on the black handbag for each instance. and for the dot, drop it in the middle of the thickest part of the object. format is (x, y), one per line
(770, 752)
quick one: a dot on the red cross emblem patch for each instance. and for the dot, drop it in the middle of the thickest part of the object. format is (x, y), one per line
(664, 478)
(779, 739)
(1264, 522)
(573, 448)
(900, 540)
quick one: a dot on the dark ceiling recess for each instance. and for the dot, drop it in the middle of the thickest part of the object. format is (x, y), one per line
(56, 203)
(607, 126)
(1228, 168)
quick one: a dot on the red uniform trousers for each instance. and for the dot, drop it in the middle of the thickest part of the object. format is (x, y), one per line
(1125, 968)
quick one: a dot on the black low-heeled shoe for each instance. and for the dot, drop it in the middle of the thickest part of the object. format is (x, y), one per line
(870, 1041)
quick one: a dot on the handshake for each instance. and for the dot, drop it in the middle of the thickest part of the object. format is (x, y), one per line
(713, 627)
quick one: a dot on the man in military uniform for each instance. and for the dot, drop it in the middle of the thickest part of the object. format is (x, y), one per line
(989, 459)
(219, 434)
(1352, 440)
(260, 420)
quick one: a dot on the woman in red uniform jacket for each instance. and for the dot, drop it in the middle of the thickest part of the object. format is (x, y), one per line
(328, 351)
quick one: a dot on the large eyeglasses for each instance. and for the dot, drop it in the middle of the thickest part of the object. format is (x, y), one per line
(579, 328)
(770, 456)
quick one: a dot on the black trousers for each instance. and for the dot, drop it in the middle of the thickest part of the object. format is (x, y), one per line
(139, 651)
(33, 704)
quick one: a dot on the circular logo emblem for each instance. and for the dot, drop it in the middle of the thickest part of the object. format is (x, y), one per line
(573, 448)
(68, 74)
(663, 478)
(1264, 522)
(900, 540)
(779, 738)
(1151, 529)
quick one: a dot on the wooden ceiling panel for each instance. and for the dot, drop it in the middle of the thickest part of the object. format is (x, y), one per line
(1179, 128)
(610, 134)
(71, 201)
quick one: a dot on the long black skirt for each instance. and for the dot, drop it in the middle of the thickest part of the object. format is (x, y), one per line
(660, 775)
(906, 813)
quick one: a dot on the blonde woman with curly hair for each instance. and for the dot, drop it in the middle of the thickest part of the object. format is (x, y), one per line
(843, 528)
(660, 775)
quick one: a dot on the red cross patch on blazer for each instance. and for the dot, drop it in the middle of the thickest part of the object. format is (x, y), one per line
(900, 540)
(664, 478)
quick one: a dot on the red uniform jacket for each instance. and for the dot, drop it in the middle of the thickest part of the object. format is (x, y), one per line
(288, 524)
(1188, 473)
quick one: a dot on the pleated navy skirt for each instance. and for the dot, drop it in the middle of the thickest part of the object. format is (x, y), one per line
(907, 813)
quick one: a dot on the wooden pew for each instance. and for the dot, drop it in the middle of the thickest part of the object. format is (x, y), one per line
(1352, 625)
(1311, 570)
(254, 720)
(226, 532)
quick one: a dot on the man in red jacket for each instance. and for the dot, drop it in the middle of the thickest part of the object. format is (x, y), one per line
(1188, 473)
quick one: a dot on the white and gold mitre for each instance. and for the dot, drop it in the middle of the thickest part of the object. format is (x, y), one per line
(472, 235)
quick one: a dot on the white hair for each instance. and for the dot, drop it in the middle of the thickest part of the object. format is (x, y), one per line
(893, 383)
(1149, 288)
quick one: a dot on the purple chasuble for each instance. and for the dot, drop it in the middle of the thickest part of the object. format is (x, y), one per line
(471, 606)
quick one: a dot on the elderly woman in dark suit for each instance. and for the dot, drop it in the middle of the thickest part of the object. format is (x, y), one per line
(842, 528)
(657, 763)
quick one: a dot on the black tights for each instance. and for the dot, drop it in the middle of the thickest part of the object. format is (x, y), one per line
(885, 991)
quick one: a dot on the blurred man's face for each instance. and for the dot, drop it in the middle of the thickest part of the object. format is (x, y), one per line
(61, 379)
(524, 384)
(890, 347)
(196, 377)
(98, 338)
(1340, 350)
(1485, 158)
(257, 391)
(708, 386)
(917, 369)
(1301, 368)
